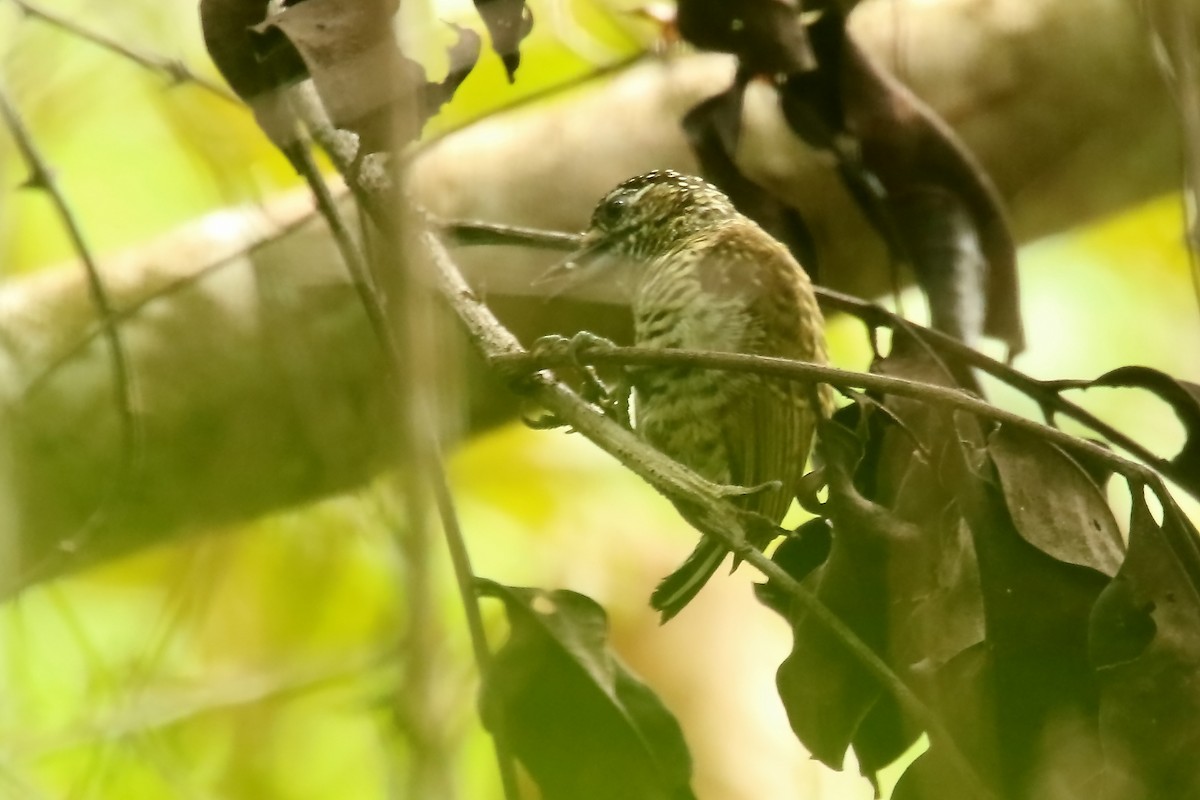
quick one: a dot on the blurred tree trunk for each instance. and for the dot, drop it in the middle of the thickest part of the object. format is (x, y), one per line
(258, 382)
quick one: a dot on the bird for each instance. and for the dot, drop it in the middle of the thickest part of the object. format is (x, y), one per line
(699, 275)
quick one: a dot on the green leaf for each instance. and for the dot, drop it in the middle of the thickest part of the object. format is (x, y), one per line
(1055, 505)
(578, 720)
(1143, 642)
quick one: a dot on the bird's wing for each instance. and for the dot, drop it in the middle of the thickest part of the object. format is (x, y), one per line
(769, 426)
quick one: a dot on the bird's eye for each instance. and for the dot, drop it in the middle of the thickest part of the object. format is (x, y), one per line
(609, 212)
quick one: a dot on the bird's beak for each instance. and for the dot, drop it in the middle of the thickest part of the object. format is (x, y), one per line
(585, 264)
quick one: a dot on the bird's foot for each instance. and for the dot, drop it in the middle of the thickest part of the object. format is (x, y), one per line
(573, 347)
(613, 401)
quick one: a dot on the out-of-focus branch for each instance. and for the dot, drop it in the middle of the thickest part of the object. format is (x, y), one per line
(173, 70)
(262, 384)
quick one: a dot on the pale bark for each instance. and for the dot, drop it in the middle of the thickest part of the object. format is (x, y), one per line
(258, 385)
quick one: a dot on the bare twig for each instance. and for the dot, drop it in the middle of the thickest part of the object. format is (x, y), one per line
(716, 518)
(132, 309)
(464, 576)
(806, 372)
(175, 71)
(124, 386)
(1173, 23)
(467, 233)
(1046, 395)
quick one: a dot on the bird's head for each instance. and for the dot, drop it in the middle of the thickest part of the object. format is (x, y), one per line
(641, 219)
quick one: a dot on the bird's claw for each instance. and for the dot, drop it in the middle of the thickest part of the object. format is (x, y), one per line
(613, 402)
(573, 347)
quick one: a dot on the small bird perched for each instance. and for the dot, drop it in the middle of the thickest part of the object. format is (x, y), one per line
(701, 276)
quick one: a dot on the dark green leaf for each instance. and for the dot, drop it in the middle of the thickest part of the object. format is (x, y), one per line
(1145, 642)
(577, 719)
(826, 692)
(900, 571)
(712, 129)
(930, 201)
(227, 26)
(802, 552)
(1055, 505)
(961, 691)
(1036, 609)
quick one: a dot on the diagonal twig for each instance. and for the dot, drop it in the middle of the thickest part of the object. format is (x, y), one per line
(124, 386)
(595, 353)
(175, 71)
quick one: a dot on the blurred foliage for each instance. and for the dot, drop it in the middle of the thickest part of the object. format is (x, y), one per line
(255, 662)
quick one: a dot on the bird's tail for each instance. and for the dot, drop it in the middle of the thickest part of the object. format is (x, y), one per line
(678, 588)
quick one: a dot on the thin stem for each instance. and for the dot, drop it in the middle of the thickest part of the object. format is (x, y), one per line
(327, 208)
(418, 421)
(1044, 394)
(466, 234)
(1172, 22)
(806, 372)
(41, 176)
(173, 70)
(464, 576)
(714, 517)
(133, 308)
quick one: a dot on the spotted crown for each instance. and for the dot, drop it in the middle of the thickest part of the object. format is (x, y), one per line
(648, 214)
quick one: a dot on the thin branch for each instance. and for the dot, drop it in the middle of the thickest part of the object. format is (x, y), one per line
(715, 518)
(132, 309)
(1048, 397)
(465, 233)
(327, 207)
(1171, 21)
(175, 71)
(1044, 394)
(419, 423)
(464, 577)
(41, 176)
(589, 352)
